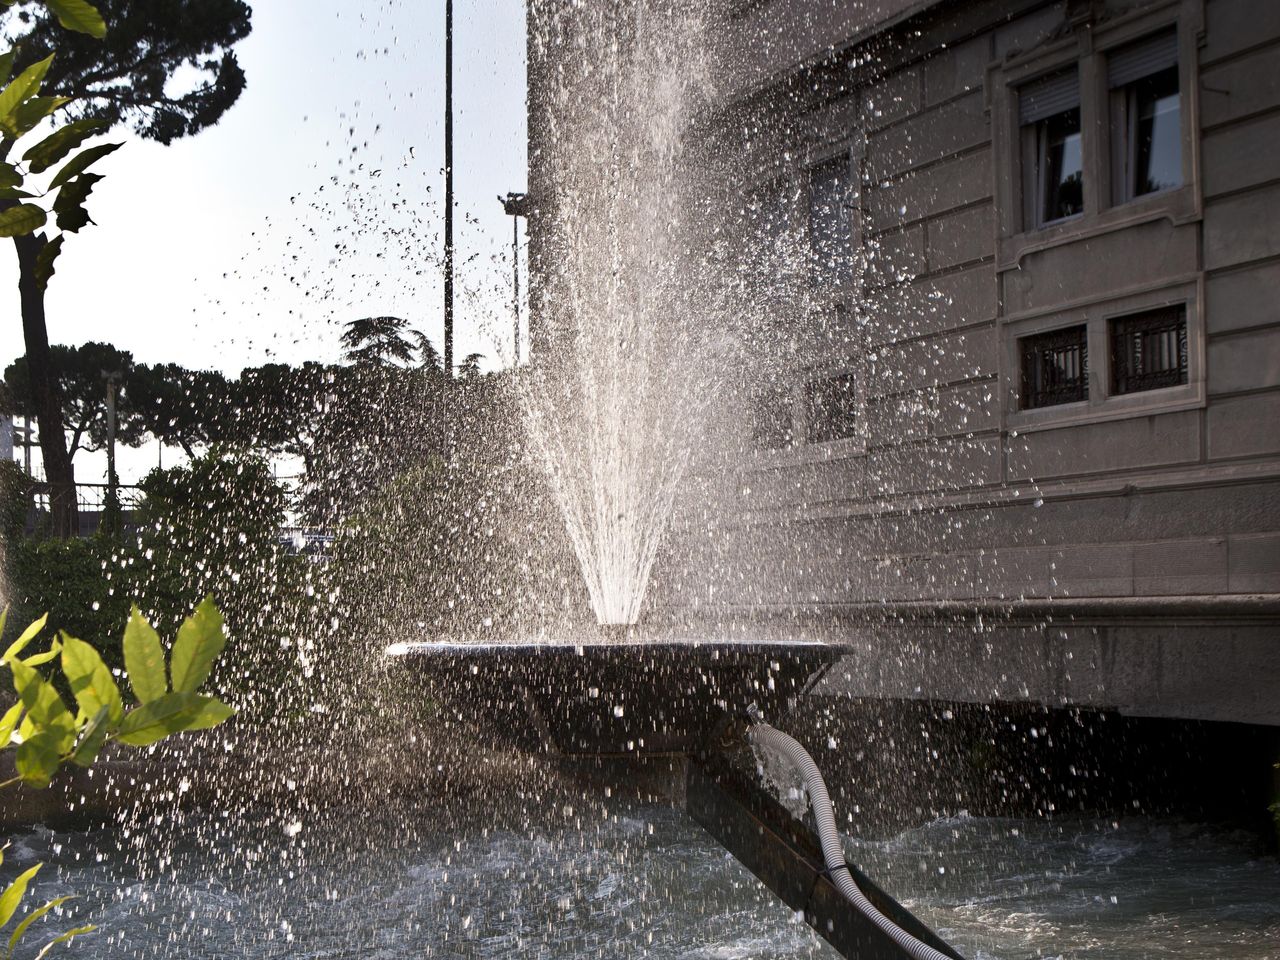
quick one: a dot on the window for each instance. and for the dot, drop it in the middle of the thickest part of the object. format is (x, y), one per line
(771, 427)
(1055, 367)
(830, 226)
(1053, 160)
(831, 409)
(1146, 121)
(1149, 350)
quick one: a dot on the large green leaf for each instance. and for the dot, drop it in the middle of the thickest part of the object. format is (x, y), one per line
(44, 261)
(62, 141)
(28, 115)
(25, 637)
(144, 659)
(40, 659)
(211, 713)
(200, 640)
(69, 203)
(19, 90)
(91, 740)
(43, 704)
(33, 916)
(10, 176)
(6, 64)
(9, 722)
(91, 682)
(81, 162)
(14, 893)
(39, 757)
(156, 720)
(79, 16)
(20, 220)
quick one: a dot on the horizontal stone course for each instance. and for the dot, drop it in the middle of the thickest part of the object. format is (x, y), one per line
(1244, 361)
(931, 191)
(928, 136)
(1138, 443)
(1245, 297)
(1247, 426)
(1240, 87)
(1242, 228)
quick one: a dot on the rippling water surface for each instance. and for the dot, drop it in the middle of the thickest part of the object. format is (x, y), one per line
(643, 882)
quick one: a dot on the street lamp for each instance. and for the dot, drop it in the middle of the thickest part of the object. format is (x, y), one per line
(515, 205)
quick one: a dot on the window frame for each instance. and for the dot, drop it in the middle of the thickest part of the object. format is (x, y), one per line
(1087, 47)
(1122, 122)
(1098, 313)
(851, 150)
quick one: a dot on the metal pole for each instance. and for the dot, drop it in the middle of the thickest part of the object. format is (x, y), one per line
(448, 188)
(515, 281)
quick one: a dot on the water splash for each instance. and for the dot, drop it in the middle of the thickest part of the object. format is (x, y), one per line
(614, 400)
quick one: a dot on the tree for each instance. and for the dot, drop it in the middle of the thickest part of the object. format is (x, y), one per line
(378, 341)
(166, 69)
(180, 407)
(81, 374)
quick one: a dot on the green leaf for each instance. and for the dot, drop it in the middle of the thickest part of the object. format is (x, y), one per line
(10, 176)
(81, 162)
(26, 637)
(69, 203)
(33, 916)
(28, 115)
(79, 16)
(40, 659)
(144, 658)
(6, 64)
(200, 640)
(70, 934)
(91, 741)
(44, 261)
(211, 713)
(20, 220)
(38, 695)
(8, 723)
(12, 193)
(39, 757)
(61, 142)
(154, 721)
(14, 893)
(19, 91)
(91, 682)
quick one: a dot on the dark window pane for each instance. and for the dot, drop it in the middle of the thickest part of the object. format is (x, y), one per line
(831, 409)
(1061, 166)
(1157, 133)
(830, 233)
(1055, 367)
(771, 410)
(1149, 350)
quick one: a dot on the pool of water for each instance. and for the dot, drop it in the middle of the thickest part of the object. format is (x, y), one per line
(637, 882)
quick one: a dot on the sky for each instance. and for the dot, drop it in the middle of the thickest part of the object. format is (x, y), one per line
(316, 200)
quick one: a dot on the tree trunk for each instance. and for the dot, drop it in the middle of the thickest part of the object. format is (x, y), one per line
(44, 391)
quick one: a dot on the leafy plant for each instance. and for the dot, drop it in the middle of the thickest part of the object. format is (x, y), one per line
(48, 733)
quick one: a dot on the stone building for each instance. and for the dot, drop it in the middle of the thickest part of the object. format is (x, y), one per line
(1040, 461)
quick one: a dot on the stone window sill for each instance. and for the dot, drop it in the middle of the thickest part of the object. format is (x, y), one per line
(1177, 206)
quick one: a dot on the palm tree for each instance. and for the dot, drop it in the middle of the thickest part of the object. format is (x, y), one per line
(378, 341)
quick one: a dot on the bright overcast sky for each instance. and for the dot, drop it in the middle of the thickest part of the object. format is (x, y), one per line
(316, 200)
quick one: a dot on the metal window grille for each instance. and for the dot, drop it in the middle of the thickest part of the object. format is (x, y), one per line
(1055, 367)
(831, 409)
(1149, 350)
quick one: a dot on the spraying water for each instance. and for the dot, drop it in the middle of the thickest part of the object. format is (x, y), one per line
(615, 399)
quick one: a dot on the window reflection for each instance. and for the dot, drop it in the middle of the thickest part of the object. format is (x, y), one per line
(1061, 166)
(1157, 133)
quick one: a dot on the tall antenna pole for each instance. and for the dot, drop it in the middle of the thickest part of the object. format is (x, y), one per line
(448, 188)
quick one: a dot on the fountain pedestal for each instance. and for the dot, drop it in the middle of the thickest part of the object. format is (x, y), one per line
(631, 702)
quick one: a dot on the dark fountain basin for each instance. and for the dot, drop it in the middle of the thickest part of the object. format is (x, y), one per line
(616, 698)
(637, 700)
